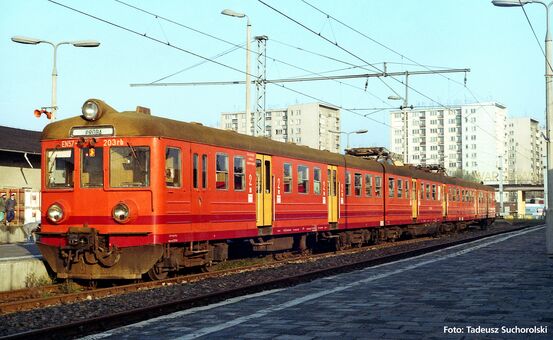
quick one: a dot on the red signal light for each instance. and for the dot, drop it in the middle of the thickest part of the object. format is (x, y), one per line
(37, 113)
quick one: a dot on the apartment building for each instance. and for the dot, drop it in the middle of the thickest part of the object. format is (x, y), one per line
(469, 138)
(305, 124)
(526, 149)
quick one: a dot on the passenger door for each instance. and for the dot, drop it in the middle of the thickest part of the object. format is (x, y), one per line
(264, 201)
(444, 200)
(332, 196)
(414, 199)
(199, 185)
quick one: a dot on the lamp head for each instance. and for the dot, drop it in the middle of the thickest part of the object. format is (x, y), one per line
(232, 13)
(85, 43)
(510, 3)
(25, 40)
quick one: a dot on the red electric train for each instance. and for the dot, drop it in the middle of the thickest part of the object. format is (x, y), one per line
(126, 194)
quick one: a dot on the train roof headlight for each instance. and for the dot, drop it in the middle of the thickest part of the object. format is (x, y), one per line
(91, 110)
(55, 213)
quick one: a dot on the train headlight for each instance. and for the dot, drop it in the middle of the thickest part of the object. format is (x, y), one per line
(91, 110)
(121, 213)
(55, 213)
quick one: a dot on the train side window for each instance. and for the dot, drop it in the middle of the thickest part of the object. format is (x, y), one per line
(358, 184)
(316, 181)
(221, 171)
(204, 171)
(427, 191)
(434, 192)
(195, 161)
(422, 191)
(92, 167)
(172, 167)
(60, 164)
(287, 177)
(348, 183)
(399, 188)
(407, 188)
(303, 179)
(129, 167)
(391, 186)
(378, 186)
(368, 185)
(239, 174)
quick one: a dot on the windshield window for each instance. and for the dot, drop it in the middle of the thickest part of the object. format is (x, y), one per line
(129, 167)
(92, 167)
(59, 168)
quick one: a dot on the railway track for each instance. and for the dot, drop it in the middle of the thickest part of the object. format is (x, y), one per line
(64, 293)
(105, 322)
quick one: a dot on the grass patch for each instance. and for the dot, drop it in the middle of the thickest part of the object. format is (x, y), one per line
(33, 281)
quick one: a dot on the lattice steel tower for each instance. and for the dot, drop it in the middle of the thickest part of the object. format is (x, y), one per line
(260, 84)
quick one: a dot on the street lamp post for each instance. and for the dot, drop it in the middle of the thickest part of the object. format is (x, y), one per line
(548, 113)
(77, 43)
(349, 133)
(232, 13)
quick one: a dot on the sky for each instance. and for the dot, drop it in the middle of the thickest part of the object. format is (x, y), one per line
(144, 41)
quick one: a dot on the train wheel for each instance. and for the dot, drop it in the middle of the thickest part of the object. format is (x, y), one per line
(157, 273)
(207, 268)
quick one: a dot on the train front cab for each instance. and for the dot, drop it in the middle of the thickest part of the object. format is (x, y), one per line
(97, 200)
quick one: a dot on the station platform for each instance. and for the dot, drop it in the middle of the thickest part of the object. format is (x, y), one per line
(499, 288)
(20, 262)
(12, 234)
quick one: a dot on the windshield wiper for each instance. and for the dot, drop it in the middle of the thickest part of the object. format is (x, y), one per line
(133, 152)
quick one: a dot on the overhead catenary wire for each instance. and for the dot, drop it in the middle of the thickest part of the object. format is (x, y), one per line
(195, 65)
(535, 36)
(421, 65)
(350, 53)
(371, 39)
(204, 58)
(364, 89)
(157, 16)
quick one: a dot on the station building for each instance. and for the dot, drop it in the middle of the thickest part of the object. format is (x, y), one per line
(20, 174)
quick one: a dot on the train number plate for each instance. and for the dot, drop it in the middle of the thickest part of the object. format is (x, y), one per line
(92, 131)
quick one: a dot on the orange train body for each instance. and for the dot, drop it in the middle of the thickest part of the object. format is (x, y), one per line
(127, 193)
